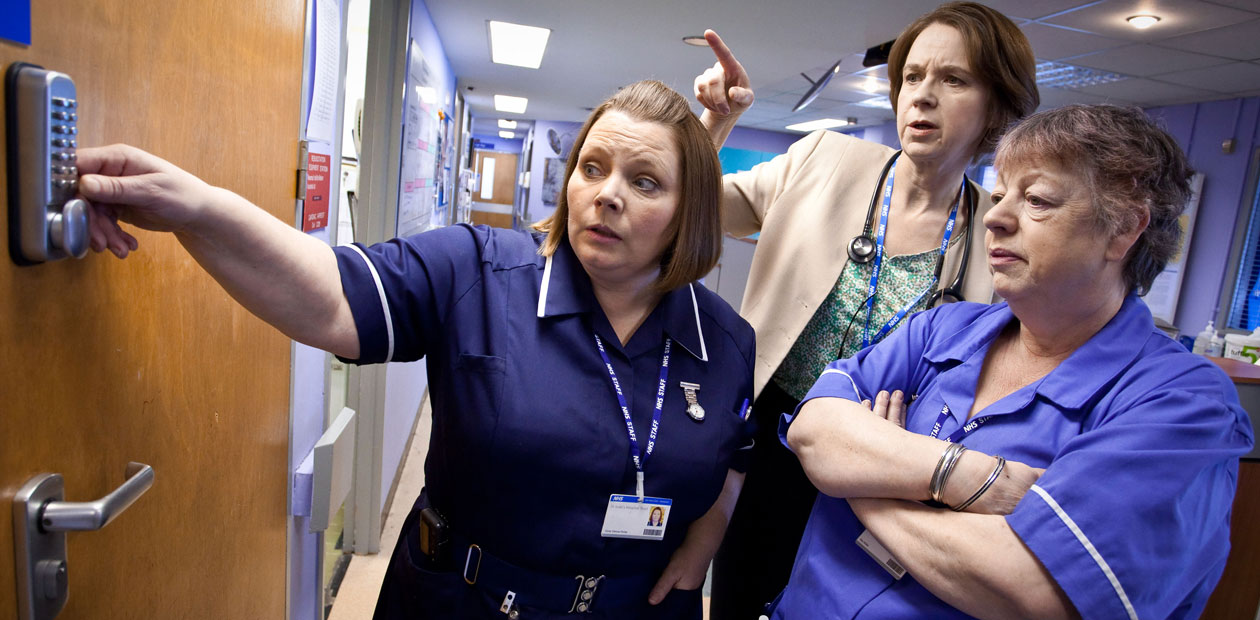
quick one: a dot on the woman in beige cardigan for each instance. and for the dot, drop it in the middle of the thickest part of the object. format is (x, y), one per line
(825, 281)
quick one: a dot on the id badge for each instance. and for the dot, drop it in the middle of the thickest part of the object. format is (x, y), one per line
(880, 554)
(629, 517)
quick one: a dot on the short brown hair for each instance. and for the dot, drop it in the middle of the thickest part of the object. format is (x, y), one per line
(1128, 163)
(999, 54)
(697, 225)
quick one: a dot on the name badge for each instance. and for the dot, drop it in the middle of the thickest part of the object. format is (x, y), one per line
(873, 548)
(628, 516)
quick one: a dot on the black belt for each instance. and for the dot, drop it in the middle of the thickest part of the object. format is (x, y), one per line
(555, 593)
(513, 585)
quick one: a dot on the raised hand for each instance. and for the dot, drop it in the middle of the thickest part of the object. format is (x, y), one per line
(723, 89)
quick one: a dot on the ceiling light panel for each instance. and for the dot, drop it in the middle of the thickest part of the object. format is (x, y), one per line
(822, 123)
(876, 102)
(517, 45)
(511, 105)
(506, 124)
(1061, 75)
(507, 134)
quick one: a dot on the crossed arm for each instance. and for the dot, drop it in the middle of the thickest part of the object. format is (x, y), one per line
(971, 560)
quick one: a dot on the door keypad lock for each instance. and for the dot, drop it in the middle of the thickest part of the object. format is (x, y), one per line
(46, 221)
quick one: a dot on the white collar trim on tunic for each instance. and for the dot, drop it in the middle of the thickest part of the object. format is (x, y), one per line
(695, 306)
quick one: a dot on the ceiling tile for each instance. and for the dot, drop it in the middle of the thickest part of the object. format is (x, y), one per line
(1249, 5)
(1177, 17)
(1145, 60)
(1235, 77)
(1148, 92)
(1032, 10)
(1053, 43)
(1237, 41)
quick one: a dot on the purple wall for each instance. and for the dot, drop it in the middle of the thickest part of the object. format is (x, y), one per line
(761, 140)
(885, 134)
(1200, 128)
(565, 133)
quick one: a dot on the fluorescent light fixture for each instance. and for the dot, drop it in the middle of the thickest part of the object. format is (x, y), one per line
(1060, 75)
(876, 102)
(506, 124)
(507, 134)
(511, 105)
(823, 123)
(517, 45)
(1142, 22)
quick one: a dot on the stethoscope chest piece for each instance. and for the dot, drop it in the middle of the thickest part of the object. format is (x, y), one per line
(862, 249)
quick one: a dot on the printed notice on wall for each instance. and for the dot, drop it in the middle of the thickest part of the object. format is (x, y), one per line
(323, 113)
(1166, 289)
(417, 191)
(315, 207)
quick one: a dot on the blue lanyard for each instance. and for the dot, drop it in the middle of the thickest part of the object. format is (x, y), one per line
(640, 458)
(879, 260)
(957, 435)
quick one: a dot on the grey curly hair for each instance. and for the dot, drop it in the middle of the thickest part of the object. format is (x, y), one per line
(1129, 164)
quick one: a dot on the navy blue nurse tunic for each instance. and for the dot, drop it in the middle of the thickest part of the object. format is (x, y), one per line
(528, 440)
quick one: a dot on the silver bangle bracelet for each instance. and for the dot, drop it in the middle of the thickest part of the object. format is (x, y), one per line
(949, 458)
(997, 471)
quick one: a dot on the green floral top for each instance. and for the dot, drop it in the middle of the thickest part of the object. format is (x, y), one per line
(819, 344)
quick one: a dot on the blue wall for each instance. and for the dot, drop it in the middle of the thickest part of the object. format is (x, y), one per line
(426, 35)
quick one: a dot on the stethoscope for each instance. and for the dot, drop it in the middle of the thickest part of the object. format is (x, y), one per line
(862, 247)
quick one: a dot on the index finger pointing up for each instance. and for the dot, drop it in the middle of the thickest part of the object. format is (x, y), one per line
(729, 65)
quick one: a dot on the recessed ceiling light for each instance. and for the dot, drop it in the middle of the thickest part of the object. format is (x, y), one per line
(870, 84)
(696, 40)
(1142, 22)
(822, 123)
(517, 45)
(511, 105)
(1061, 75)
(506, 124)
(507, 134)
(876, 102)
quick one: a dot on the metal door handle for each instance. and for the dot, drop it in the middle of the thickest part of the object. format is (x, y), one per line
(40, 519)
(90, 516)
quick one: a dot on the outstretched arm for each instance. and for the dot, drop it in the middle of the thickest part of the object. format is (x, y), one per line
(283, 276)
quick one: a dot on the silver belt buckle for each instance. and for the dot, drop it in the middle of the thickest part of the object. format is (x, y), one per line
(468, 562)
(584, 598)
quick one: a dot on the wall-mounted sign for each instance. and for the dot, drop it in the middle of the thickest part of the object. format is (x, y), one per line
(478, 144)
(315, 207)
(15, 21)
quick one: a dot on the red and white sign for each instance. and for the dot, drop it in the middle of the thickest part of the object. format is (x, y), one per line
(315, 207)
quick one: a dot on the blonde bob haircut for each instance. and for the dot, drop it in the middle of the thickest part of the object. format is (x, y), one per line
(696, 229)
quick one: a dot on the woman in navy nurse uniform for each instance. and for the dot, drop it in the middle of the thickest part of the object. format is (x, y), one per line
(580, 380)
(1123, 447)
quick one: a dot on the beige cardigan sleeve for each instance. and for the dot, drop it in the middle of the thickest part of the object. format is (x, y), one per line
(748, 195)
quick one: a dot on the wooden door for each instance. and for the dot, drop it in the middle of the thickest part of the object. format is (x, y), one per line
(494, 207)
(1238, 594)
(147, 359)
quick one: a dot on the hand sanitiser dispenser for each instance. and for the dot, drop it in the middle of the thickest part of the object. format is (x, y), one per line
(46, 221)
